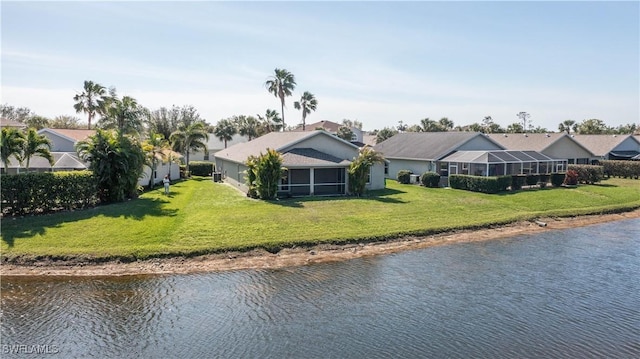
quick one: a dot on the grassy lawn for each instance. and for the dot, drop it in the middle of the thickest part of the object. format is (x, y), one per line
(201, 216)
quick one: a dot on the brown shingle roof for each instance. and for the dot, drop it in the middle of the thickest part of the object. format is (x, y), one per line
(75, 135)
(326, 125)
(600, 145)
(526, 141)
(5, 122)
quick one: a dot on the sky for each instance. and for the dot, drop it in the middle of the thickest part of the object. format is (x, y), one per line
(375, 62)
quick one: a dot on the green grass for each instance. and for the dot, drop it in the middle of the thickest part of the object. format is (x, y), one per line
(204, 217)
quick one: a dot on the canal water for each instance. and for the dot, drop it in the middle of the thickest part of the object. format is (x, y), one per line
(559, 294)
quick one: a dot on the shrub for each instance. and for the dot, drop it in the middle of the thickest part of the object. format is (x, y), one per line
(360, 168)
(532, 180)
(517, 181)
(571, 178)
(201, 168)
(430, 179)
(404, 176)
(479, 183)
(267, 172)
(543, 180)
(626, 169)
(183, 171)
(557, 179)
(588, 174)
(34, 193)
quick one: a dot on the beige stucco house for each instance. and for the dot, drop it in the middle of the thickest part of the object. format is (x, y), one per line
(316, 162)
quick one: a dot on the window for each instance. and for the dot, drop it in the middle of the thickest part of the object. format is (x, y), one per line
(386, 168)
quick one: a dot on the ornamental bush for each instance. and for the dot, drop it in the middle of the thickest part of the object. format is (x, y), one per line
(36, 193)
(532, 180)
(571, 178)
(557, 179)
(588, 174)
(201, 168)
(430, 179)
(517, 181)
(480, 183)
(543, 180)
(404, 176)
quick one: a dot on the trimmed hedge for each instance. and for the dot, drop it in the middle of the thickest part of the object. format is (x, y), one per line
(33, 193)
(480, 183)
(588, 174)
(517, 181)
(625, 169)
(201, 168)
(404, 176)
(532, 180)
(543, 180)
(430, 179)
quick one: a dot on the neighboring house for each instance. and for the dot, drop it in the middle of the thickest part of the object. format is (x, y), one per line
(64, 140)
(502, 163)
(554, 145)
(5, 122)
(610, 147)
(421, 152)
(333, 127)
(316, 162)
(214, 145)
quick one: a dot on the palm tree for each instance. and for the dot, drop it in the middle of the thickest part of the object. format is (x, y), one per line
(307, 104)
(36, 145)
(270, 122)
(10, 146)
(224, 130)
(567, 126)
(90, 100)
(360, 167)
(125, 116)
(281, 85)
(193, 137)
(154, 148)
(247, 126)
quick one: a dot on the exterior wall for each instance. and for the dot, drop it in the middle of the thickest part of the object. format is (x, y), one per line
(59, 144)
(232, 173)
(478, 143)
(627, 145)
(214, 145)
(377, 177)
(415, 166)
(161, 171)
(567, 149)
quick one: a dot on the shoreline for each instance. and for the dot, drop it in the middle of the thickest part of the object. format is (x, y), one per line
(299, 256)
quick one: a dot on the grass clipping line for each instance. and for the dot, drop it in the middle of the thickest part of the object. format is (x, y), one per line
(294, 256)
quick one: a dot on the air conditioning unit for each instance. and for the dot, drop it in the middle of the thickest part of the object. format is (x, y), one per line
(415, 179)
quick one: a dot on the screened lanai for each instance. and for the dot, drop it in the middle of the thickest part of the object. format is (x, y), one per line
(500, 163)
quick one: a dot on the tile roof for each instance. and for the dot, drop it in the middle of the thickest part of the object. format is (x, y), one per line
(305, 157)
(425, 145)
(601, 145)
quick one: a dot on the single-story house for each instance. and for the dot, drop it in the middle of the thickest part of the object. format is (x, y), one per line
(421, 152)
(316, 163)
(554, 145)
(7, 123)
(333, 127)
(610, 147)
(63, 161)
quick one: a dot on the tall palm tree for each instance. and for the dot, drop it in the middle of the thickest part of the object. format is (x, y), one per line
(36, 145)
(307, 104)
(224, 130)
(187, 139)
(10, 146)
(154, 148)
(125, 116)
(90, 100)
(248, 126)
(270, 122)
(281, 85)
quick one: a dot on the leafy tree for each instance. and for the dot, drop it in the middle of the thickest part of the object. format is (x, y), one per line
(224, 130)
(247, 126)
(431, 125)
(345, 133)
(117, 162)
(36, 145)
(474, 127)
(125, 116)
(191, 138)
(592, 126)
(523, 116)
(360, 167)
(415, 128)
(401, 126)
(11, 143)
(567, 126)
(357, 124)
(446, 124)
(91, 100)
(515, 128)
(306, 104)
(627, 129)
(19, 114)
(38, 122)
(281, 85)
(264, 174)
(270, 122)
(64, 121)
(384, 134)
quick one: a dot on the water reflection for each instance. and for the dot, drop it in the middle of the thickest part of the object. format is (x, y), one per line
(570, 293)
